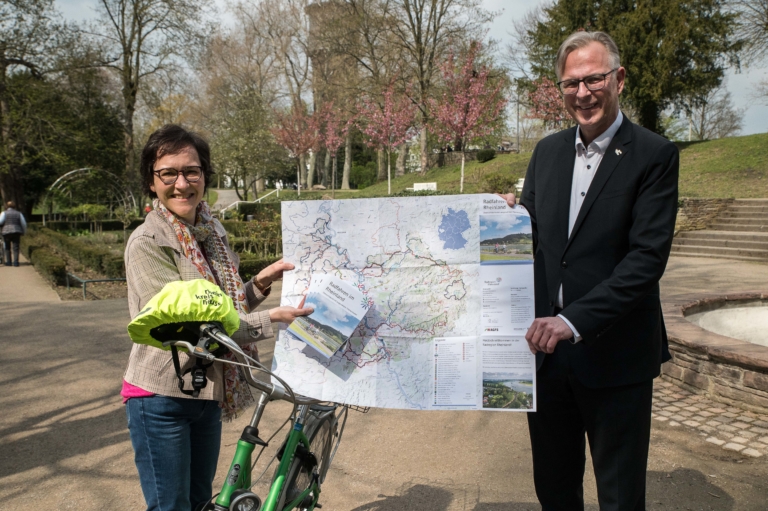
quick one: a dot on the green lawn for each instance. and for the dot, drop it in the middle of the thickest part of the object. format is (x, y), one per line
(728, 167)
(448, 178)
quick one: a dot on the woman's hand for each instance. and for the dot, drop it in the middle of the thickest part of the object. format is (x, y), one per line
(287, 314)
(271, 273)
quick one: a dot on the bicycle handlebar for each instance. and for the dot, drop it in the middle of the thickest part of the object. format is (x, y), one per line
(210, 332)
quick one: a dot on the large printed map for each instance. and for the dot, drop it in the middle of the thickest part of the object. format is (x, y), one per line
(417, 263)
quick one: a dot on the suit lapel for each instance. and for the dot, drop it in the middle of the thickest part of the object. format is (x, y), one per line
(617, 150)
(565, 181)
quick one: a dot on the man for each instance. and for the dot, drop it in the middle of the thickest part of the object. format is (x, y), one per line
(14, 226)
(602, 199)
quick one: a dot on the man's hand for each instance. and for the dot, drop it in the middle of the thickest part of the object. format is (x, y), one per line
(271, 273)
(545, 333)
(510, 198)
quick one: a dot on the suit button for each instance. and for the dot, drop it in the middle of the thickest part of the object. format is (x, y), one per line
(564, 264)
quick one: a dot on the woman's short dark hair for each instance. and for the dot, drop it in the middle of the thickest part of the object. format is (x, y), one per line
(172, 139)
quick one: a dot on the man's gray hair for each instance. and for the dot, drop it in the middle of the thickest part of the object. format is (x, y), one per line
(581, 39)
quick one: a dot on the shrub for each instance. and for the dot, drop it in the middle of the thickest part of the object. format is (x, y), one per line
(113, 266)
(362, 176)
(499, 183)
(484, 155)
(106, 225)
(250, 266)
(97, 258)
(51, 266)
(261, 211)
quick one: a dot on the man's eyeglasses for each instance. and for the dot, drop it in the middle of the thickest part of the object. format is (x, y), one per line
(591, 82)
(170, 175)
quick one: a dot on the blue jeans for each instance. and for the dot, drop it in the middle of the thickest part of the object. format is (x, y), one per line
(176, 444)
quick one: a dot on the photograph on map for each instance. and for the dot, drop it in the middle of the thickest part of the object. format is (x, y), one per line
(338, 309)
(505, 239)
(508, 390)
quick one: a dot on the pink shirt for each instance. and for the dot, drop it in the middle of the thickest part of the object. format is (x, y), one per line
(128, 391)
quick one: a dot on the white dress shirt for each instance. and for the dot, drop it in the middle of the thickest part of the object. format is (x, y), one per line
(584, 167)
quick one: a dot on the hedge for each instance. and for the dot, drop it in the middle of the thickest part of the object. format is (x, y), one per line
(98, 259)
(259, 210)
(484, 155)
(51, 266)
(106, 225)
(250, 266)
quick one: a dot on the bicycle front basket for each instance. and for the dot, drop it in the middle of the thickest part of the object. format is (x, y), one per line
(192, 301)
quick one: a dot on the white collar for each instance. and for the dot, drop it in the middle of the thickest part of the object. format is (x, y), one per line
(604, 139)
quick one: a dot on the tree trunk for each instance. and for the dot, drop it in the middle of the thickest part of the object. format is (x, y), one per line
(461, 186)
(402, 151)
(326, 167)
(389, 174)
(298, 176)
(382, 170)
(347, 163)
(648, 116)
(423, 147)
(303, 170)
(311, 170)
(333, 176)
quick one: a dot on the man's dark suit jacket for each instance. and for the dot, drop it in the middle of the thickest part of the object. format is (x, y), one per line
(611, 264)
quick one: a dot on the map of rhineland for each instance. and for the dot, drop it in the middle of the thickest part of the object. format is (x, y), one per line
(416, 260)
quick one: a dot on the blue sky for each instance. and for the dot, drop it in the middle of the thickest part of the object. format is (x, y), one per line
(741, 85)
(498, 226)
(330, 314)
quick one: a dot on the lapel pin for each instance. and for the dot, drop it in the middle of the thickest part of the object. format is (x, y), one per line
(618, 152)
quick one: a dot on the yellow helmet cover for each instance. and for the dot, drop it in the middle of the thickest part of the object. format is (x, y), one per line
(183, 302)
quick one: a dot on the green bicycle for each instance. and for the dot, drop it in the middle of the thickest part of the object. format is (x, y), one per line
(306, 453)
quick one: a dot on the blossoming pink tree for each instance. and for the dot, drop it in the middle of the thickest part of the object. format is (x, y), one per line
(333, 132)
(387, 124)
(547, 104)
(297, 131)
(470, 105)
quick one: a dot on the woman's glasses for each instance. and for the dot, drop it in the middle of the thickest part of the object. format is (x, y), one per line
(170, 175)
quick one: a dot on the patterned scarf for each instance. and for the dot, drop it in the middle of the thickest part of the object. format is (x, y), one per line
(219, 269)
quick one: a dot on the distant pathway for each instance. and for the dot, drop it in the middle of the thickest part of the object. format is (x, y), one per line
(24, 284)
(226, 197)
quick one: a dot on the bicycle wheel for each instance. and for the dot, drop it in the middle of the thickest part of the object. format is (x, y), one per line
(321, 429)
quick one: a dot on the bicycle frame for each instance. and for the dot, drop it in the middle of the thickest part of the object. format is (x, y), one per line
(239, 473)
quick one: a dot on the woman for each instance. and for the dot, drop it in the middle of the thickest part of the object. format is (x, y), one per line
(176, 437)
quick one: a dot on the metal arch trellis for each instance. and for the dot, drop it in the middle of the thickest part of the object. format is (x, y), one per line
(123, 196)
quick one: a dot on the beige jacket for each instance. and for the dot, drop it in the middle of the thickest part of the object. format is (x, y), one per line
(153, 258)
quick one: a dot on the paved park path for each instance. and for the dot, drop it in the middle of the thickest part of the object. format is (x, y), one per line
(64, 443)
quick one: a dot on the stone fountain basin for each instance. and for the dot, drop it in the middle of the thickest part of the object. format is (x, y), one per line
(720, 361)
(747, 321)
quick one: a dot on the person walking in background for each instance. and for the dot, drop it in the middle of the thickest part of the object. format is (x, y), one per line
(13, 226)
(602, 198)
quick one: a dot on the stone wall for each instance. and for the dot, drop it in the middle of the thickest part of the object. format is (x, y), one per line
(697, 214)
(726, 370)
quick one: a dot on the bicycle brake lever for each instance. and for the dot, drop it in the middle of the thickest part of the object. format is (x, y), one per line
(195, 351)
